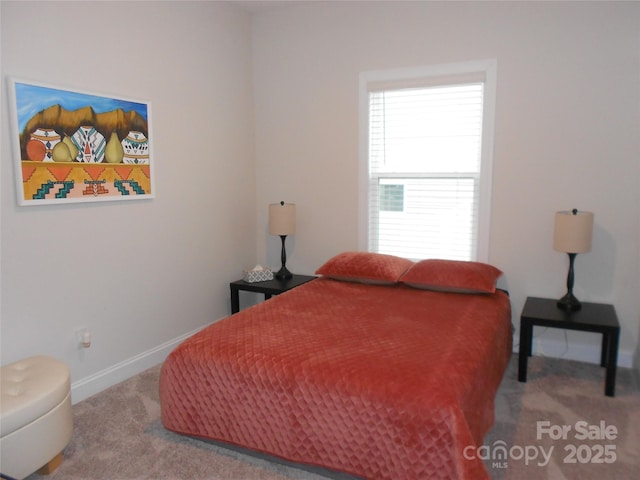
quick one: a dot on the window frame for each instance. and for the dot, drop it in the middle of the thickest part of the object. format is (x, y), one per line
(472, 71)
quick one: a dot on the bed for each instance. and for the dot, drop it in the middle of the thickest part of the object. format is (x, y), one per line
(381, 368)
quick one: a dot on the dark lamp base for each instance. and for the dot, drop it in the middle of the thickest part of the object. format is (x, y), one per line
(283, 274)
(569, 303)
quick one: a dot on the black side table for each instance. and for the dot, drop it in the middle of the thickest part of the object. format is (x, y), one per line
(269, 288)
(593, 317)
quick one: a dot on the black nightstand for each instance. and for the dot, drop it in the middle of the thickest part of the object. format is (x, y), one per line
(269, 288)
(592, 317)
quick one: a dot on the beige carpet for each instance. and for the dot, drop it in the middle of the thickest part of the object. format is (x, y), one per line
(118, 434)
(565, 400)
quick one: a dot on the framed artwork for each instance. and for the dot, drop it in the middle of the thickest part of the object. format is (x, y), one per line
(73, 146)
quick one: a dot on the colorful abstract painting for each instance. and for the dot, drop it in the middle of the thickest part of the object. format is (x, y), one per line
(74, 146)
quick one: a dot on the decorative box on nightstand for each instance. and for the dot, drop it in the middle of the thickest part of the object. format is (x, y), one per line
(253, 276)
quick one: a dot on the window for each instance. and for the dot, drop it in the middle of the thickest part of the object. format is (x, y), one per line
(426, 143)
(391, 197)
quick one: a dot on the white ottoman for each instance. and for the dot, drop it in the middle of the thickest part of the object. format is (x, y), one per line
(35, 415)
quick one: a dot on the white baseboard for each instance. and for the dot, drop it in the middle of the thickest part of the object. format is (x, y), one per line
(88, 386)
(550, 347)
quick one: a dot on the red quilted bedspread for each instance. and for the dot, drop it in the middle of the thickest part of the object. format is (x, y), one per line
(383, 382)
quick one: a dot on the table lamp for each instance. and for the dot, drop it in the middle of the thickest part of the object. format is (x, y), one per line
(572, 235)
(282, 222)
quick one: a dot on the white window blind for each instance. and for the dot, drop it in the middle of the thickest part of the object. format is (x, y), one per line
(425, 167)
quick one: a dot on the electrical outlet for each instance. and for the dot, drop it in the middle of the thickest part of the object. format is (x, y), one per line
(83, 337)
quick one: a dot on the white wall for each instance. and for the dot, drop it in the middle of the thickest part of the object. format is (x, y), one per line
(567, 133)
(142, 274)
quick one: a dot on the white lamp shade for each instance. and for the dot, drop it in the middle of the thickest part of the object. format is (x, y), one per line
(282, 218)
(573, 231)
